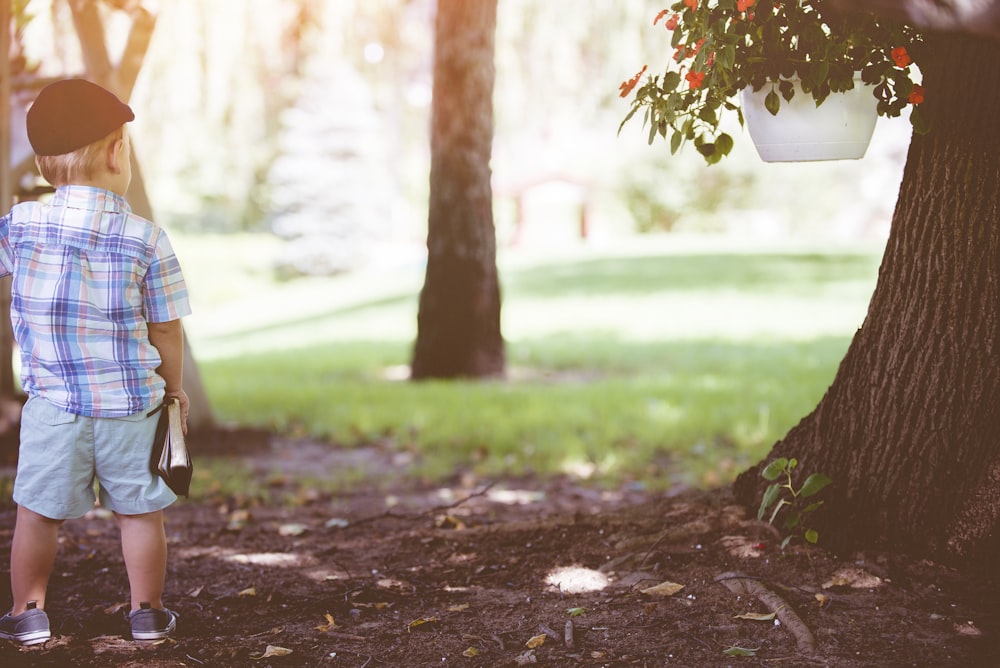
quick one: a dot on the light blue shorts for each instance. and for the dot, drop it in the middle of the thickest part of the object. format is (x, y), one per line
(61, 454)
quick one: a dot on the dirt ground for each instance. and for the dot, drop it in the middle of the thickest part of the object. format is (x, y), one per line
(497, 573)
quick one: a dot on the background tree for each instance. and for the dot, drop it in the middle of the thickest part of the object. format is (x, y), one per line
(458, 323)
(329, 196)
(909, 428)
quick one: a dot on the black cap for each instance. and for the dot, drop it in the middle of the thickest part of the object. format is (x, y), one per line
(72, 113)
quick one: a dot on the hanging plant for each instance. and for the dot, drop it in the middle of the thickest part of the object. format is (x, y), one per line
(723, 46)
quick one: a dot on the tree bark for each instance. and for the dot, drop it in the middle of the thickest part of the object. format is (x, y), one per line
(909, 431)
(458, 324)
(970, 16)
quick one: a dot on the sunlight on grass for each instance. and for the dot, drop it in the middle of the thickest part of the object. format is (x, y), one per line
(654, 364)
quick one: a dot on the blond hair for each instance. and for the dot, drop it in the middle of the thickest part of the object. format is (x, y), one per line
(83, 164)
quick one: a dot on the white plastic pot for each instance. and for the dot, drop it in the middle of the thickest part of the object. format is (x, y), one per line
(839, 129)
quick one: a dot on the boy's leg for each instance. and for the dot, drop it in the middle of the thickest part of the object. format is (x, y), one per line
(144, 546)
(32, 556)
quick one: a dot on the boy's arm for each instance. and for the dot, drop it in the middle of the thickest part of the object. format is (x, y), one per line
(168, 339)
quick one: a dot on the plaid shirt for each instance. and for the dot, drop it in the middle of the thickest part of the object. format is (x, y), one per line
(88, 274)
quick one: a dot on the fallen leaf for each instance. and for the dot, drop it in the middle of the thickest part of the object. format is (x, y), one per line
(663, 589)
(967, 630)
(292, 529)
(422, 624)
(396, 586)
(526, 659)
(855, 578)
(575, 612)
(238, 519)
(273, 650)
(115, 609)
(757, 616)
(535, 641)
(470, 652)
(330, 624)
(196, 592)
(740, 651)
(249, 591)
(448, 522)
(461, 607)
(336, 523)
(823, 600)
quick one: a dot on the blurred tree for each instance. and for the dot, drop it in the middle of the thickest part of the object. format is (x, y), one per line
(908, 429)
(458, 323)
(329, 188)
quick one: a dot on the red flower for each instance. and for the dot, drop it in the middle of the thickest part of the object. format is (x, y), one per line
(693, 4)
(695, 79)
(627, 86)
(916, 95)
(697, 47)
(673, 22)
(660, 16)
(743, 5)
(900, 56)
(679, 53)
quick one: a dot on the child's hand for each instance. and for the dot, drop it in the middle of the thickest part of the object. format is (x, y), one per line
(182, 399)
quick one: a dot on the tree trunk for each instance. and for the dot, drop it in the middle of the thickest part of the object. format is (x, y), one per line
(458, 325)
(909, 431)
(972, 16)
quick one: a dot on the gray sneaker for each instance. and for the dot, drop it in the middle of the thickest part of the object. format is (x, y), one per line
(149, 623)
(29, 628)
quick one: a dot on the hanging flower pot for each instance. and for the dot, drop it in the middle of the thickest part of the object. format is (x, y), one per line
(718, 48)
(839, 129)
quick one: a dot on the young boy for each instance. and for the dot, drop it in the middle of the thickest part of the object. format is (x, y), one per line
(96, 304)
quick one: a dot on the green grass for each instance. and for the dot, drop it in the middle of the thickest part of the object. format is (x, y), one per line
(646, 363)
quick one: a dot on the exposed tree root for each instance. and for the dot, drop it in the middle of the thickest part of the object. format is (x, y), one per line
(740, 584)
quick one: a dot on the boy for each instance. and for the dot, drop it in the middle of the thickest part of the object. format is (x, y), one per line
(97, 298)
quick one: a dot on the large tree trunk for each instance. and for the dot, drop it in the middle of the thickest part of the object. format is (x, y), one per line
(974, 16)
(909, 431)
(459, 317)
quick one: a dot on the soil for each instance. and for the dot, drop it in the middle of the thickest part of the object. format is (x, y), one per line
(546, 572)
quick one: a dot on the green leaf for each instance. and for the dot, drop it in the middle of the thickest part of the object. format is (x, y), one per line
(792, 519)
(726, 57)
(575, 612)
(784, 543)
(774, 469)
(724, 143)
(819, 71)
(811, 507)
(787, 89)
(814, 484)
(812, 536)
(675, 142)
(772, 102)
(671, 80)
(778, 507)
(770, 496)
(740, 651)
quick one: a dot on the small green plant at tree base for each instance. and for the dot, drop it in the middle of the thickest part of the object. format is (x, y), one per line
(782, 493)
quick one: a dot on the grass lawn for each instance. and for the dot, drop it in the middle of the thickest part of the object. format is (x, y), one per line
(654, 362)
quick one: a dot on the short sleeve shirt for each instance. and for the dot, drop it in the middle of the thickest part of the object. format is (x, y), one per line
(88, 275)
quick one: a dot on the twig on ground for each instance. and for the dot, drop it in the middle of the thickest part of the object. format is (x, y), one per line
(549, 632)
(415, 516)
(739, 584)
